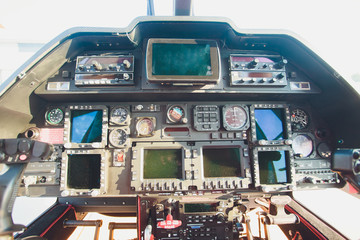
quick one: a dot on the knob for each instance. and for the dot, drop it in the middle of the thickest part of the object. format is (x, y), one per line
(127, 64)
(273, 80)
(126, 76)
(220, 217)
(356, 155)
(262, 80)
(253, 63)
(280, 64)
(252, 80)
(357, 168)
(111, 67)
(97, 65)
(280, 76)
(81, 67)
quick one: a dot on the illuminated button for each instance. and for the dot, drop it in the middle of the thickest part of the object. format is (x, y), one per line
(23, 157)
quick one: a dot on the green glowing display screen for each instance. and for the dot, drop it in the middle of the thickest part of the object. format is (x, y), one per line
(162, 163)
(181, 59)
(221, 162)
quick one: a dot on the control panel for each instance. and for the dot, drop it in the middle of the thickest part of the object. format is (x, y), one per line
(104, 70)
(182, 146)
(258, 71)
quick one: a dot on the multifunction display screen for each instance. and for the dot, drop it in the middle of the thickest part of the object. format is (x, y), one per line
(221, 162)
(273, 166)
(162, 163)
(269, 124)
(83, 171)
(86, 126)
(181, 59)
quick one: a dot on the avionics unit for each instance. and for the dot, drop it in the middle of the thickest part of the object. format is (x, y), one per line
(83, 172)
(104, 70)
(270, 124)
(179, 166)
(257, 71)
(159, 167)
(273, 168)
(191, 61)
(86, 126)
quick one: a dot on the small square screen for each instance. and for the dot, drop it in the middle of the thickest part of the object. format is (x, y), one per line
(269, 124)
(181, 59)
(83, 171)
(273, 166)
(162, 163)
(221, 162)
(86, 126)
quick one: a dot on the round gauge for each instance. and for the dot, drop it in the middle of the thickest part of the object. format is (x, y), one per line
(175, 114)
(54, 116)
(117, 137)
(118, 115)
(145, 127)
(299, 119)
(302, 145)
(235, 117)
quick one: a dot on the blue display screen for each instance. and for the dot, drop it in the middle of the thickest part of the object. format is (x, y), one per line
(86, 126)
(273, 167)
(269, 124)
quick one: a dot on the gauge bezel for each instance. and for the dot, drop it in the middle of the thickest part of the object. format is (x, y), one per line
(286, 122)
(314, 150)
(67, 126)
(227, 126)
(150, 134)
(68, 191)
(112, 144)
(48, 122)
(184, 116)
(290, 163)
(123, 123)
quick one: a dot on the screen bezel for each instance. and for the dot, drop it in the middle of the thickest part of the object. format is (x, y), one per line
(67, 126)
(214, 61)
(289, 158)
(67, 191)
(286, 122)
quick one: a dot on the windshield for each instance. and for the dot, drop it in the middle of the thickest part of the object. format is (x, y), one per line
(326, 26)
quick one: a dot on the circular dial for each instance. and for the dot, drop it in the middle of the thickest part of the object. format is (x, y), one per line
(117, 137)
(299, 119)
(118, 115)
(175, 114)
(235, 117)
(54, 116)
(303, 145)
(145, 127)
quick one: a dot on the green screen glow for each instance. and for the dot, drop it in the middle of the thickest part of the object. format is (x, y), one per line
(221, 162)
(162, 163)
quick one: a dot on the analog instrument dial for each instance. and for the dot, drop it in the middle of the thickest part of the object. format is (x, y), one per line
(118, 115)
(54, 116)
(145, 127)
(299, 119)
(235, 117)
(303, 145)
(175, 114)
(117, 137)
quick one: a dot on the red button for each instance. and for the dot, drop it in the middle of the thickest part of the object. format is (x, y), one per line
(23, 157)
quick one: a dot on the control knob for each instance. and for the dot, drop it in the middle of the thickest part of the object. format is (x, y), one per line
(97, 65)
(127, 64)
(253, 63)
(280, 64)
